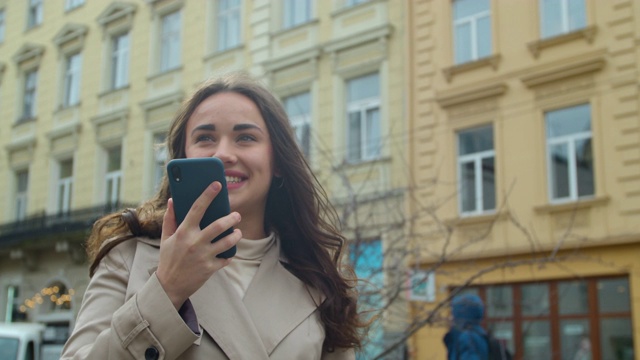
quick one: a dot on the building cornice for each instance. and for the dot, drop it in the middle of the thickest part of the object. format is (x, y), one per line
(580, 67)
(466, 94)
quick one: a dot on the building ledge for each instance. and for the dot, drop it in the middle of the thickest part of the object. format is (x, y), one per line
(573, 205)
(483, 218)
(562, 72)
(465, 95)
(490, 61)
(588, 34)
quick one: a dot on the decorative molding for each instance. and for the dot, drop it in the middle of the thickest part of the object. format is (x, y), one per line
(562, 72)
(573, 205)
(334, 48)
(28, 143)
(481, 219)
(466, 95)
(121, 115)
(111, 126)
(490, 61)
(311, 55)
(29, 51)
(381, 33)
(67, 129)
(588, 34)
(173, 98)
(117, 11)
(71, 32)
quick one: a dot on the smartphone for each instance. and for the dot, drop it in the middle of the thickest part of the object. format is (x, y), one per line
(188, 178)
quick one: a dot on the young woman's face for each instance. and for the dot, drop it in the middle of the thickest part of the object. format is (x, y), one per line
(229, 126)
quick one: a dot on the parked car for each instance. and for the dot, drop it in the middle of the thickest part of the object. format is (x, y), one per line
(27, 341)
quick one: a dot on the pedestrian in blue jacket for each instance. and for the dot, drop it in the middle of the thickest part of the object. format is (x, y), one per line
(466, 339)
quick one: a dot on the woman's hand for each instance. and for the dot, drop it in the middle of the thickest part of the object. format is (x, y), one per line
(187, 256)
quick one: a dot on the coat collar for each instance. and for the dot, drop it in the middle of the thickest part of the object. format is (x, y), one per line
(275, 303)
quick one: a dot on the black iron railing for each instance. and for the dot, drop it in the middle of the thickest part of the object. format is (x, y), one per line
(43, 225)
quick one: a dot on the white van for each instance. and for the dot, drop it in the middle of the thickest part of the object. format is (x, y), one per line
(27, 341)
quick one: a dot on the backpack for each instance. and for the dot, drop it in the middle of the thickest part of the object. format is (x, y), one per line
(497, 350)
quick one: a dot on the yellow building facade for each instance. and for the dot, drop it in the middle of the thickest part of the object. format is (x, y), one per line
(525, 170)
(88, 89)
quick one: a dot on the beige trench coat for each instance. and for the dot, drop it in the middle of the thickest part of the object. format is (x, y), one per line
(126, 314)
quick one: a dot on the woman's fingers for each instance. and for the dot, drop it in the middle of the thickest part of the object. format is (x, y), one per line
(201, 204)
(169, 221)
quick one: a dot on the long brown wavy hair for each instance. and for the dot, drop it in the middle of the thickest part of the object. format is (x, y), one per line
(297, 210)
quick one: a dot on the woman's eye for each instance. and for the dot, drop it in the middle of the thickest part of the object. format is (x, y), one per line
(246, 138)
(201, 138)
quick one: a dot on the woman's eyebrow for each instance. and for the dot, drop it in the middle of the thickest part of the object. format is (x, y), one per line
(204, 127)
(240, 127)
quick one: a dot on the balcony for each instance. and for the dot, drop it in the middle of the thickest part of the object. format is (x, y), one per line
(72, 224)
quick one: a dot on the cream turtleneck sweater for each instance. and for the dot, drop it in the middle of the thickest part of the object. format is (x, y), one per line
(244, 265)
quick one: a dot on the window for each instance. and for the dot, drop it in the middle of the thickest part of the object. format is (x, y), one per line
(476, 171)
(34, 15)
(29, 95)
(120, 61)
(22, 182)
(113, 176)
(558, 17)
(13, 313)
(298, 107)
(367, 258)
(576, 319)
(160, 158)
(228, 24)
(170, 41)
(295, 12)
(2, 25)
(72, 4)
(363, 114)
(472, 30)
(65, 186)
(355, 2)
(71, 91)
(570, 157)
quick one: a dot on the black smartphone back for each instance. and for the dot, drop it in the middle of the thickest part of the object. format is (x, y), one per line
(188, 178)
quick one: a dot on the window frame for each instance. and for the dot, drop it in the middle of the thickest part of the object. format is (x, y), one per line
(64, 188)
(477, 159)
(474, 36)
(3, 24)
(369, 150)
(119, 60)
(72, 4)
(225, 25)
(301, 123)
(565, 18)
(160, 157)
(29, 95)
(170, 41)
(34, 13)
(113, 178)
(594, 315)
(21, 195)
(72, 78)
(291, 18)
(570, 141)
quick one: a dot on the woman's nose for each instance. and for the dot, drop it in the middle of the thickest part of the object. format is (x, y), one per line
(224, 152)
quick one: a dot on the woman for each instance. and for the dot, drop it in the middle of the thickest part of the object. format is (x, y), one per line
(158, 291)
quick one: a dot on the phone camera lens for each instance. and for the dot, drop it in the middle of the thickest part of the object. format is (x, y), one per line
(175, 171)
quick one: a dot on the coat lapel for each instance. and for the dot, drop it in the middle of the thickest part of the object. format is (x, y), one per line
(221, 314)
(277, 301)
